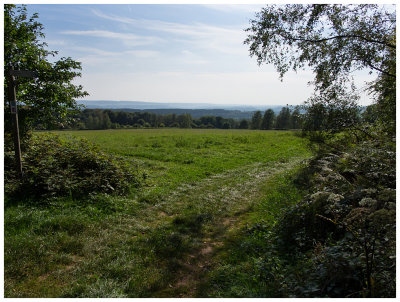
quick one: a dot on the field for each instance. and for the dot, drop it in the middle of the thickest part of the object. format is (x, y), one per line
(170, 237)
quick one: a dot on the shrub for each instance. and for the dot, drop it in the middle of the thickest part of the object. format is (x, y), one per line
(345, 227)
(57, 167)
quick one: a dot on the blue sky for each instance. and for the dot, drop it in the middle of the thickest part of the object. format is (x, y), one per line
(167, 53)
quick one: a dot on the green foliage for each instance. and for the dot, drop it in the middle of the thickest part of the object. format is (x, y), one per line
(244, 124)
(335, 41)
(283, 118)
(337, 240)
(94, 119)
(332, 111)
(256, 120)
(268, 120)
(340, 240)
(58, 167)
(296, 118)
(346, 225)
(50, 99)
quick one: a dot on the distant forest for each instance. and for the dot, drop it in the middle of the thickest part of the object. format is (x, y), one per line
(195, 113)
(92, 119)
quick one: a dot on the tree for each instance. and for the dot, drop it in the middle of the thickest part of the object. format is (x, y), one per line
(268, 119)
(244, 124)
(296, 118)
(332, 40)
(184, 120)
(256, 120)
(51, 98)
(331, 112)
(106, 122)
(283, 118)
(370, 114)
(219, 122)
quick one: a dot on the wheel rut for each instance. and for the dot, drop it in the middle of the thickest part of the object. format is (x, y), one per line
(228, 196)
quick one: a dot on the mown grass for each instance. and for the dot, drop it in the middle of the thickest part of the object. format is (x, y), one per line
(240, 272)
(133, 246)
(176, 156)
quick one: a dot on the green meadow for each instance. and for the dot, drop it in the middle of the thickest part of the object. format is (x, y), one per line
(175, 236)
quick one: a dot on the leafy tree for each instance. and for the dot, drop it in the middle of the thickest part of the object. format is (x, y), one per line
(384, 89)
(268, 120)
(244, 124)
(370, 114)
(256, 120)
(283, 118)
(208, 120)
(296, 118)
(219, 122)
(185, 120)
(350, 211)
(226, 125)
(106, 123)
(50, 99)
(331, 112)
(332, 40)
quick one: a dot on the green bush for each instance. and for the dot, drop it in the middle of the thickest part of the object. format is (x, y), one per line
(56, 167)
(340, 240)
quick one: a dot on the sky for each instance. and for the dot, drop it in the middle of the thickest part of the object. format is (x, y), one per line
(168, 53)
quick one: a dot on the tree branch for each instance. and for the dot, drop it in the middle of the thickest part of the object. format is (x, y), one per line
(346, 36)
(380, 70)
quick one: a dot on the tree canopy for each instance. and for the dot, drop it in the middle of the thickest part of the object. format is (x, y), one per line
(268, 119)
(50, 98)
(334, 41)
(256, 120)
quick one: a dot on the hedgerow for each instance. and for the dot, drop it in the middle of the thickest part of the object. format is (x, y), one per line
(339, 241)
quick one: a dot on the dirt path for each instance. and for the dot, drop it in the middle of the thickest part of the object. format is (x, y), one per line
(228, 196)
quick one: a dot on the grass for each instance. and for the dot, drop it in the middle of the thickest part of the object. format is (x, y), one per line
(240, 261)
(202, 187)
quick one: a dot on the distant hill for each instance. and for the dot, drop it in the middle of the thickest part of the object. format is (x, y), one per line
(196, 110)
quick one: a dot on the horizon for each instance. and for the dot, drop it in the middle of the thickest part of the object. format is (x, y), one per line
(183, 103)
(180, 53)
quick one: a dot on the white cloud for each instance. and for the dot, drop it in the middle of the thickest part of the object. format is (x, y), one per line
(223, 39)
(189, 57)
(56, 42)
(143, 53)
(124, 37)
(96, 51)
(249, 8)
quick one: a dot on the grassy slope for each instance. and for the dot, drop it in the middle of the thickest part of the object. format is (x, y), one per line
(202, 185)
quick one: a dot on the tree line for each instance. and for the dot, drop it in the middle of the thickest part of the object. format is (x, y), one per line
(93, 119)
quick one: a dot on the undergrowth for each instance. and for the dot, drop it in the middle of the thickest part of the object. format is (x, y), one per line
(54, 167)
(334, 237)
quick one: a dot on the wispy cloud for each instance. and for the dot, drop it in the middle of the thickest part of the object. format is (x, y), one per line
(218, 38)
(249, 8)
(191, 58)
(96, 51)
(124, 37)
(143, 53)
(94, 56)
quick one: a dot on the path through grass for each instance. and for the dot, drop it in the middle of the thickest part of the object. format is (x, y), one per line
(161, 241)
